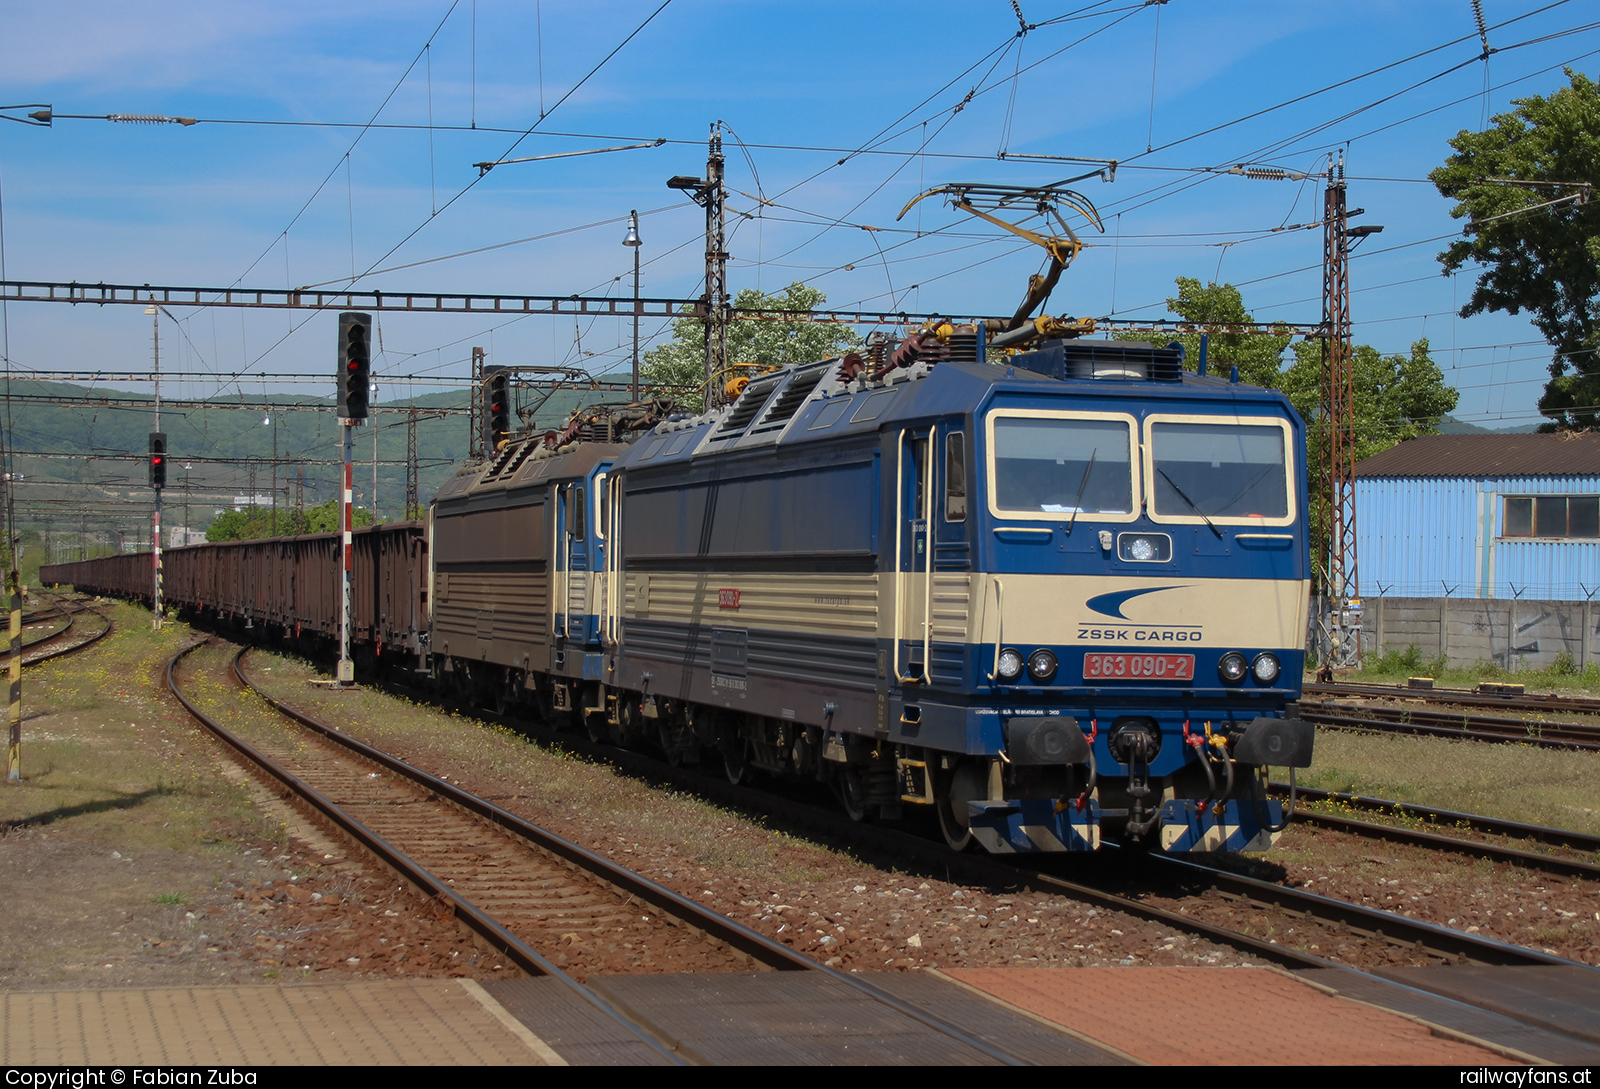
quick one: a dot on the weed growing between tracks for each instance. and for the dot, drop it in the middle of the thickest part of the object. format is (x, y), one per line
(1513, 782)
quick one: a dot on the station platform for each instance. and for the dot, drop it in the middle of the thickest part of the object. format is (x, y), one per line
(1459, 1017)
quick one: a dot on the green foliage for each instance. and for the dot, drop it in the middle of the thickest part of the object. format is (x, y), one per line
(256, 522)
(1258, 356)
(679, 364)
(1407, 663)
(1543, 260)
(1564, 665)
(1397, 397)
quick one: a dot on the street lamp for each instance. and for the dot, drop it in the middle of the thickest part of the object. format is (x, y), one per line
(633, 242)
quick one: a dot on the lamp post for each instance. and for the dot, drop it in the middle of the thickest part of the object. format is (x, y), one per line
(633, 242)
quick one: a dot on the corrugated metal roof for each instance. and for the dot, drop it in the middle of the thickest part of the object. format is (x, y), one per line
(1559, 454)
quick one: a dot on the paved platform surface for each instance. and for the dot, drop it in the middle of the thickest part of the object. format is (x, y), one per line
(1460, 1017)
(792, 1019)
(1221, 1017)
(401, 1022)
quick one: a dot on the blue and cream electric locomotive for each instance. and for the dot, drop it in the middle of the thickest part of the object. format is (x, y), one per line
(1056, 599)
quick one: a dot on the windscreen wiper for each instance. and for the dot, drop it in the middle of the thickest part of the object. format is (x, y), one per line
(1192, 504)
(1082, 484)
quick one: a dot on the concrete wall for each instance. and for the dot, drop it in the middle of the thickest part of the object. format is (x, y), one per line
(1512, 634)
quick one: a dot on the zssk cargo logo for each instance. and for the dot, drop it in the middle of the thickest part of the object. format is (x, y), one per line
(1110, 605)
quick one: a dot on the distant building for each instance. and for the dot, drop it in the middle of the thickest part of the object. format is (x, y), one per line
(1487, 516)
(178, 536)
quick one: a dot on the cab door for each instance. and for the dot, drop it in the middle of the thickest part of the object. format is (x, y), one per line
(913, 517)
(572, 562)
(599, 532)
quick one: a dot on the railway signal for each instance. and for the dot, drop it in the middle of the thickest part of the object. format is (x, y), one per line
(355, 364)
(158, 460)
(354, 381)
(497, 405)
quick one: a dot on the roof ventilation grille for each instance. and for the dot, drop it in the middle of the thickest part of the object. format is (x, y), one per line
(745, 408)
(788, 402)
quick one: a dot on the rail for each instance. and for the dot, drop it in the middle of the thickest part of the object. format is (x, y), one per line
(763, 949)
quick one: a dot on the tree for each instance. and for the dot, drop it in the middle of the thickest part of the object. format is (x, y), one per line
(1397, 397)
(680, 363)
(1539, 252)
(1259, 356)
(254, 523)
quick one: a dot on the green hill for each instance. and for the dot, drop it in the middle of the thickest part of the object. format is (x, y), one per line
(80, 455)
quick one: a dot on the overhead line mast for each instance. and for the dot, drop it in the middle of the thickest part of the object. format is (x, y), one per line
(1337, 502)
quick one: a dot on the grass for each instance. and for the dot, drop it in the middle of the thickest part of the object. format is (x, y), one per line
(1395, 664)
(1513, 782)
(92, 765)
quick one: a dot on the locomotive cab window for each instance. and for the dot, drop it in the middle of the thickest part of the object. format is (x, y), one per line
(575, 513)
(955, 477)
(1052, 466)
(1226, 469)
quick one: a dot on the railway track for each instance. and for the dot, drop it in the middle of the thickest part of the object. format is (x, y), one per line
(30, 653)
(1453, 724)
(1442, 841)
(1274, 922)
(1459, 697)
(526, 892)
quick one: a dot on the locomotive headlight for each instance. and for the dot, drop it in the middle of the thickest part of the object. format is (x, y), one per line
(1144, 547)
(1232, 667)
(1009, 667)
(1265, 667)
(1041, 665)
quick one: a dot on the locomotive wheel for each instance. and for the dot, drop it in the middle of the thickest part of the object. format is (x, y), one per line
(954, 791)
(851, 786)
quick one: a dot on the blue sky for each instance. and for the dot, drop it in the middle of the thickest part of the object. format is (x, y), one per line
(801, 86)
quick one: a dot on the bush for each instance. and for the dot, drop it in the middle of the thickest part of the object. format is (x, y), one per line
(1409, 662)
(1564, 666)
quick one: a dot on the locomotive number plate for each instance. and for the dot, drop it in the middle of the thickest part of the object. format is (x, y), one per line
(1138, 667)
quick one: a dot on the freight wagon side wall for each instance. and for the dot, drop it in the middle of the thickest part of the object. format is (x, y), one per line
(288, 583)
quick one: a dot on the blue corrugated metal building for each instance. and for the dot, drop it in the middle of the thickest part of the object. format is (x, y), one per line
(1491, 516)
